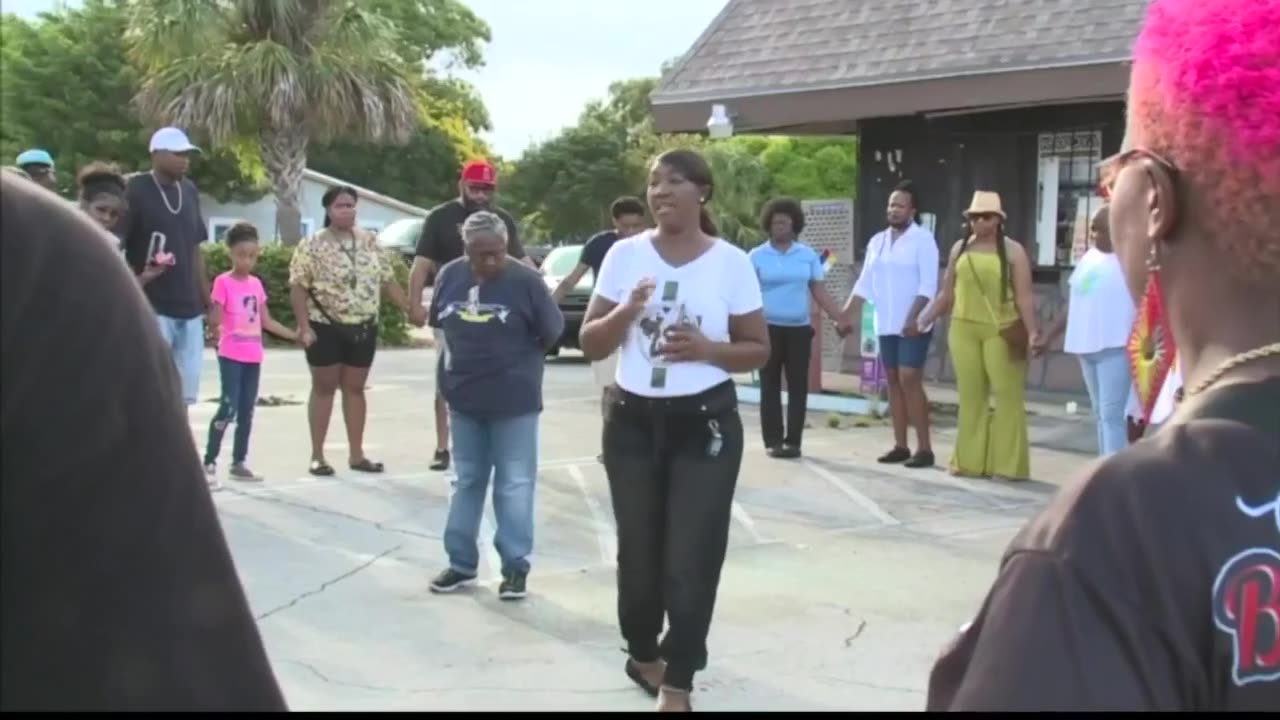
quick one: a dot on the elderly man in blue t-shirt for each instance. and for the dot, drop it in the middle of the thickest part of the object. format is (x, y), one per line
(498, 321)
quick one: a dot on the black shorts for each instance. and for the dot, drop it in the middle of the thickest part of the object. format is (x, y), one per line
(334, 348)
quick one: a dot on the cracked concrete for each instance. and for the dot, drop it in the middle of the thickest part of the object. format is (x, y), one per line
(822, 606)
(328, 583)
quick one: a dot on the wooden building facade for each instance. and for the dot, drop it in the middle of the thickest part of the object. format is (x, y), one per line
(1023, 98)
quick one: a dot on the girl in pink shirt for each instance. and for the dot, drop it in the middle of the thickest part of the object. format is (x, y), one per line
(239, 313)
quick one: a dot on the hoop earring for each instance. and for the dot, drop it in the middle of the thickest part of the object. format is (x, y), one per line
(1151, 347)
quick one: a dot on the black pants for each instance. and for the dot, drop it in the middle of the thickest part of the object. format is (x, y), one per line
(673, 466)
(790, 348)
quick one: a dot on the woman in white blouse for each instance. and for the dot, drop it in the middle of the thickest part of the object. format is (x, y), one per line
(683, 309)
(1098, 320)
(900, 277)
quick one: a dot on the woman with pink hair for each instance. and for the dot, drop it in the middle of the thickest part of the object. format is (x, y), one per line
(1153, 582)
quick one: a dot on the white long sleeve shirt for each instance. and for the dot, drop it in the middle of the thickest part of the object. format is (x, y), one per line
(896, 272)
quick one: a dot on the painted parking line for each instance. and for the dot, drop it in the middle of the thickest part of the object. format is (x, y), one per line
(988, 489)
(606, 537)
(306, 482)
(745, 520)
(848, 491)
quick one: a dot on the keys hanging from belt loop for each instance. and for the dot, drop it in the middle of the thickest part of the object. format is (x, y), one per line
(717, 440)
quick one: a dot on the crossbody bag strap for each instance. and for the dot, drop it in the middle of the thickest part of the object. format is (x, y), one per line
(311, 294)
(978, 280)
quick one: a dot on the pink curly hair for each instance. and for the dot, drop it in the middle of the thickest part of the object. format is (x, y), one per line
(1205, 91)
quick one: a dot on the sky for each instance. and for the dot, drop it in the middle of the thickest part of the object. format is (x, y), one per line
(547, 58)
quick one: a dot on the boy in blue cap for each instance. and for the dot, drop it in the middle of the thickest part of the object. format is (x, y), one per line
(38, 165)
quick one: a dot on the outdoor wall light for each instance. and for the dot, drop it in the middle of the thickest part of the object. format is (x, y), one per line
(719, 125)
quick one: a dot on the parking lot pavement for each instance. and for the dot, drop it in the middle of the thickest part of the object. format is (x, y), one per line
(843, 580)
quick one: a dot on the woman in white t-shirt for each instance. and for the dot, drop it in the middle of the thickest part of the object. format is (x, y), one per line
(683, 309)
(1098, 320)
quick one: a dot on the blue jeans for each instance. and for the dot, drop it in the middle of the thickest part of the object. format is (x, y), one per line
(185, 338)
(239, 397)
(1106, 375)
(507, 449)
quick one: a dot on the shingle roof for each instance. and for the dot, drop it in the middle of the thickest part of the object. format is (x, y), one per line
(768, 46)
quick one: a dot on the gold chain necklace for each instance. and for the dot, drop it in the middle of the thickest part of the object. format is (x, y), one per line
(1232, 363)
(172, 210)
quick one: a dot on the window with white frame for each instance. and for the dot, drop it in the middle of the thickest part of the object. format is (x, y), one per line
(218, 227)
(1067, 195)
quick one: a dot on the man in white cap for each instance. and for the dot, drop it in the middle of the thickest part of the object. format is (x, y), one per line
(163, 231)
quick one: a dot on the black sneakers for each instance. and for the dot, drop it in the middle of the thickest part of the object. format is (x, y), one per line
(513, 587)
(784, 452)
(450, 580)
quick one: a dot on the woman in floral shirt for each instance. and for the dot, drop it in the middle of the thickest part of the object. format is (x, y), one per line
(337, 277)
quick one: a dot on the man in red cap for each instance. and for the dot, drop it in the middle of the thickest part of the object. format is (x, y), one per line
(441, 243)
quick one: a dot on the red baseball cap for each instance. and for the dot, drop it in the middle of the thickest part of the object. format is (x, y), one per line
(479, 172)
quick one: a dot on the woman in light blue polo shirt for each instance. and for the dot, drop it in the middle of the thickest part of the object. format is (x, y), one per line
(790, 274)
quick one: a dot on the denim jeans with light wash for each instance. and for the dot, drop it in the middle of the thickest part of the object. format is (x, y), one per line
(1106, 375)
(507, 449)
(185, 337)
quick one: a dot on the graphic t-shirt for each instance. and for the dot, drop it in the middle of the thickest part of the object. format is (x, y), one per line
(496, 335)
(241, 330)
(1150, 584)
(705, 292)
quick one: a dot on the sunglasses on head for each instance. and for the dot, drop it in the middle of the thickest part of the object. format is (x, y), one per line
(1109, 169)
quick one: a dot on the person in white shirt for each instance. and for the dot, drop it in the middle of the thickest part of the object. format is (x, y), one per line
(900, 277)
(1098, 319)
(683, 309)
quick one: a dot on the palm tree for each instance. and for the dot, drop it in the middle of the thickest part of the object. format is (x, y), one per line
(281, 72)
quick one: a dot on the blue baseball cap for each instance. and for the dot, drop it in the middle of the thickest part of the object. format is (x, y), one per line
(35, 156)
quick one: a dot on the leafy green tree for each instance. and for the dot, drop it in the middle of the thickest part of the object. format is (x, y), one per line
(422, 172)
(429, 28)
(563, 186)
(570, 180)
(283, 73)
(811, 168)
(66, 86)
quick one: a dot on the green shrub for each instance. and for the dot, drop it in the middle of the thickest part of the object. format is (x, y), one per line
(273, 270)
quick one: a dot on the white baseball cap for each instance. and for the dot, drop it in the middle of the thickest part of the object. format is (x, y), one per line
(171, 139)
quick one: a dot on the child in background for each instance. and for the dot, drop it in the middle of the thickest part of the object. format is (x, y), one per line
(239, 313)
